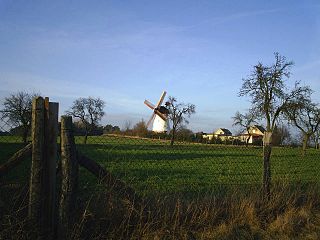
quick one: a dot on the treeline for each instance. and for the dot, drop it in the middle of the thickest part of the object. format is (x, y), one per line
(95, 130)
(281, 136)
(182, 134)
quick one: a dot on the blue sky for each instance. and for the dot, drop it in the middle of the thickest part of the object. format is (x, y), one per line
(128, 51)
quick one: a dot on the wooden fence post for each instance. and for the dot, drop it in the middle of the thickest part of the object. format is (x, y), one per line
(37, 136)
(51, 149)
(44, 155)
(70, 168)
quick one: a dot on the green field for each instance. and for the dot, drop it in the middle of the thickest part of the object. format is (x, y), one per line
(155, 166)
(152, 166)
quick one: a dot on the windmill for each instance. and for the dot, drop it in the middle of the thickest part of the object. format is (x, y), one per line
(159, 116)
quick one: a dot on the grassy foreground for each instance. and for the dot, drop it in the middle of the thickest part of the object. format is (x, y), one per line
(192, 191)
(152, 166)
(290, 214)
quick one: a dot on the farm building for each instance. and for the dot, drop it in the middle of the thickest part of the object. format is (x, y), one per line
(221, 133)
(255, 133)
(207, 136)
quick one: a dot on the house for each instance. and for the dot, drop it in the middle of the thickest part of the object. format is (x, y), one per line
(221, 133)
(207, 136)
(255, 134)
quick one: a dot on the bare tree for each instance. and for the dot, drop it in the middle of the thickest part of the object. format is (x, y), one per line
(178, 115)
(127, 125)
(306, 117)
(245, 121)
(89, 111)
(140, 129)
(280, 134)
(316, 138)
(18, 110)
(266, 86)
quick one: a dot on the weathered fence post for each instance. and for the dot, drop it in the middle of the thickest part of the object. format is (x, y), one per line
(37, 137)
(44, 155)
(267, 147)
(51, 149)
(69, 167)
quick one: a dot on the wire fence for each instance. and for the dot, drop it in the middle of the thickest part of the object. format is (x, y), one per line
(152, 166)
(192, 169)
(13, 185)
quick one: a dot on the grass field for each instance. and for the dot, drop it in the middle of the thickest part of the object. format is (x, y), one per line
(225, 180)
(152, 166)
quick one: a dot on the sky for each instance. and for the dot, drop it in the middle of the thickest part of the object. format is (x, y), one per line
(127, 51)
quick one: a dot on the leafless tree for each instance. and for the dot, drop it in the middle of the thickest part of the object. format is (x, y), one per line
(266, 86)
(281, 134)
(178, 115)
(316, 138)
(18, 111)
(127, 125)
(245, 121)
(140, 129)
(306, 117)
(89, 111)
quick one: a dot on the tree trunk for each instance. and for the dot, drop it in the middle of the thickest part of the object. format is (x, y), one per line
(172, 137)
(305, 144)
(85, 138)
(247, 141)
(267, 148)
(25, 134)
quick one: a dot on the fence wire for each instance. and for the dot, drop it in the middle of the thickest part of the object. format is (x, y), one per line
(153, 166)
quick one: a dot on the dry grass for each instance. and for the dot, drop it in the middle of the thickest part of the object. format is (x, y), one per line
(292, 213)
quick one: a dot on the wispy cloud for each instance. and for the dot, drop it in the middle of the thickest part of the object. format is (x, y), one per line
(232, 17)
(67, 90)
(309, 65)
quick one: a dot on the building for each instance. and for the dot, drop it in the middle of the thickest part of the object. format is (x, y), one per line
(207, 136)
(255, 134)
(221, 133)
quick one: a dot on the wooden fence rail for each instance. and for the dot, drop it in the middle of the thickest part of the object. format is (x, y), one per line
(15, 160)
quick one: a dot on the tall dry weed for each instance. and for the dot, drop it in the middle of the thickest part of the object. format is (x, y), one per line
(293, 212)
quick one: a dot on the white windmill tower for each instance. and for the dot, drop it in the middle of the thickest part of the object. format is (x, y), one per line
(159, 117)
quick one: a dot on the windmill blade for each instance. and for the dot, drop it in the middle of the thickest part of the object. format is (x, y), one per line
(164, 117)
(149, 104)
(161, 99)
(151, 119)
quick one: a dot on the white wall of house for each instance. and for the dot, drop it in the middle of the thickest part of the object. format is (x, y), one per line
(207, 136)
(243, 138)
